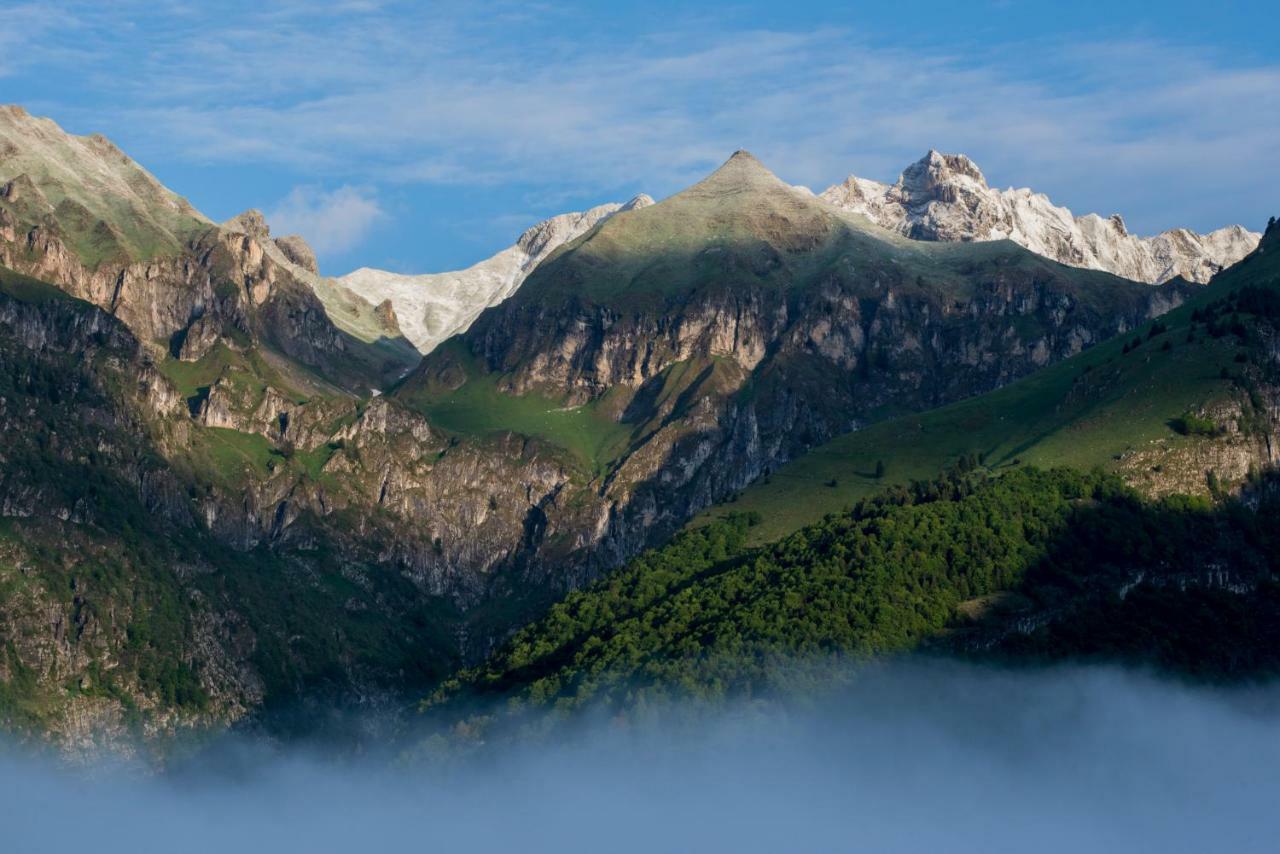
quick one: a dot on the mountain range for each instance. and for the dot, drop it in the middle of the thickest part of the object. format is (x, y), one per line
(235, 484)
(939, 198)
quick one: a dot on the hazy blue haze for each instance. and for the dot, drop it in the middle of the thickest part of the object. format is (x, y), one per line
(913, 759)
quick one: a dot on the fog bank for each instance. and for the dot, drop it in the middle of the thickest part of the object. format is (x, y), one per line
(912, 758)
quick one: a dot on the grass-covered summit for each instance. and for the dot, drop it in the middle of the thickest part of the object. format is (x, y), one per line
(107, 207)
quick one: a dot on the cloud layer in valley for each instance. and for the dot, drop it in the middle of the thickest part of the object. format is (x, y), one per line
(912, 758)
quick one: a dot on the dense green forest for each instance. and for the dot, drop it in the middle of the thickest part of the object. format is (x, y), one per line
(967, 563)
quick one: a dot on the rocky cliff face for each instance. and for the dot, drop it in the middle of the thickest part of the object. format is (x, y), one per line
(945, 197)
(196, 446)
(102, 643)
(170, 561)
(77, 212)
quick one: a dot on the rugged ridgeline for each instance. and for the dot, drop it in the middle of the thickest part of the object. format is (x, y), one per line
(185, 413)
(1189, 403)
(687, 348)
(436, 306)
(213, 512)
(185, 543)
(77, 212)
(945, 197)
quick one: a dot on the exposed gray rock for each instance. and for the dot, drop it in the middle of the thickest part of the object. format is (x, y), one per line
(946, 197)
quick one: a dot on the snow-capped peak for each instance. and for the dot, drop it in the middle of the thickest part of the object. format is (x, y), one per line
(946, 197)
(435, 306)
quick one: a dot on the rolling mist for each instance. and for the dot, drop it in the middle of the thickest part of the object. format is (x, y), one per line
(912, 757)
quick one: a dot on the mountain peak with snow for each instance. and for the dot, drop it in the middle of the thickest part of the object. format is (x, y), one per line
(936, 170)
(435, 306)
(946, 197)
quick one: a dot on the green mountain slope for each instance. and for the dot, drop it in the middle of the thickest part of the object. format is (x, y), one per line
(746, 269)
(998, 558)
(1118, 405)
(108, 208)
(80, 214)
(962, 563)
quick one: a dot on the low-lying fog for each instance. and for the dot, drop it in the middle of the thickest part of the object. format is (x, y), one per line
(913, 758)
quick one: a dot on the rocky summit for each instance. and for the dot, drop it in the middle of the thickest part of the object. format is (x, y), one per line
(697, 343)
(945, 197)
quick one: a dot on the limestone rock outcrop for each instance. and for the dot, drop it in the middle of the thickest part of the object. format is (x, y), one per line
(946, 197)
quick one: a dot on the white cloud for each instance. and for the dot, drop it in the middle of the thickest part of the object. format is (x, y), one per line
(333, 222)
(443, 94)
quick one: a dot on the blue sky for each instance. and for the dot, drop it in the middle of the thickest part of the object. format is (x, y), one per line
(424, 136)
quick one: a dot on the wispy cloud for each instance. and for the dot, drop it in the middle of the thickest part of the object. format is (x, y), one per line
(333, 222)
(382, 93)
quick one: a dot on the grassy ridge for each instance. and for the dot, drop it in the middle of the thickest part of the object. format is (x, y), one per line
(598, 434)
(1090, 410)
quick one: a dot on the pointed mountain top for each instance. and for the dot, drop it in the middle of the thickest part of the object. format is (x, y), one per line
(744, 161)
(252, 222)
(936, 169)
(99, 189)
(740, 172)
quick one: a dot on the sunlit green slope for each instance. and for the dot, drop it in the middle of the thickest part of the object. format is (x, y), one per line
(1117, 406)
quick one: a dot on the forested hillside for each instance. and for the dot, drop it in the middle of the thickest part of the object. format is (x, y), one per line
(970, 563)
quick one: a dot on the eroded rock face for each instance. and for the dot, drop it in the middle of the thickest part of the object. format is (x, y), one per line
(119, 239)
(945, 197)
(223, 286)
(820, 364)
(422, 525)
(297, 250)
(787, 326)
